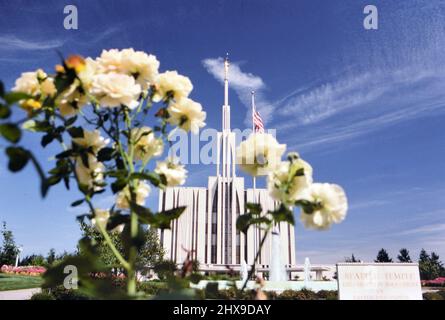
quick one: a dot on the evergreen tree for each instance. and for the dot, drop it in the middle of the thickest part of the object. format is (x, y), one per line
(404, 256)
(383, 256)
(352, 259)
(430, 266)
(149, 254)
(9, 250)
(51, 256)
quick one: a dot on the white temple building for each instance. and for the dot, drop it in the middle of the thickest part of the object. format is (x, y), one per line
(208, 225)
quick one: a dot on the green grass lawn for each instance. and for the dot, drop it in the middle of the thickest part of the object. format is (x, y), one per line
(15, 282)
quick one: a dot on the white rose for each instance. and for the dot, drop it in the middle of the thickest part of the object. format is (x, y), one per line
(113, 90)
(187, 114)
(92, 139)
(141, 65)
(259, 154)
(142, 192)
(110, 61)
(35, 83)
(289, 180)
(330, 206)
(101, 218)
(92, 175)
(172, 82)
(146, 144)
(87, 74)
(174, 173)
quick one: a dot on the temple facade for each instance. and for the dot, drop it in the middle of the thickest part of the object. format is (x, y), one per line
(208, 225)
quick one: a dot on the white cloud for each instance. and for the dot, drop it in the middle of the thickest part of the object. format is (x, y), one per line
(426, 229)
(11, 42)
(243, 83)
(345, 109)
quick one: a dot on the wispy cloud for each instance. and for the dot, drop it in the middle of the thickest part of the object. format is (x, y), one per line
(13, 43)
(348, 108)
(243, 83)
(343, 109)
(426, 229)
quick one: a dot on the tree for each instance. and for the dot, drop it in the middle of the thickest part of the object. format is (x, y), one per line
(51, 256)
(33, 260)
(149, 254)
(152, 251)
(404, 256)
(430, 266)
(383, 256)
(9, 250)
(352, 259)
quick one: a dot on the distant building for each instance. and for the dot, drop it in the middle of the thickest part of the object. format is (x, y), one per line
(208, 225)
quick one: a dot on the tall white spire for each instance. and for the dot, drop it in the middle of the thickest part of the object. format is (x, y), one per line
(226, 107)
(226, 80)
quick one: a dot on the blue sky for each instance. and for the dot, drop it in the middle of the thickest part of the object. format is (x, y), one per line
(365, 108)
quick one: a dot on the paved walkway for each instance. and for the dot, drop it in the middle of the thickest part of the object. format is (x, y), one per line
(23, 294)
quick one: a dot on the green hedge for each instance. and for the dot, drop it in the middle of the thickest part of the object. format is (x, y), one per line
(438, 295)
(154, 288)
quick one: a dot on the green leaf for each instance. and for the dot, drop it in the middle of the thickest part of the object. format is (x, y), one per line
(162, 220)
(143, 213)
(118, 185)
(283, 214)
(13, 97)
(10, 132)
(5, 112)
(105, 154)
(18, 158)
(153, 177)
(53, 180)
(76, 132)
(77, 203)
(37, 126)
(47, 139)
(243, 222)
(254, 208)
(307, 206)
(64, 154)
(117, 220)
(70, 121)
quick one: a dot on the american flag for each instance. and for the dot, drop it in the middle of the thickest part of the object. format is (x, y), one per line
(258, 124)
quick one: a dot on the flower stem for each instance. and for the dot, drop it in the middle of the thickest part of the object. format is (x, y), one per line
(252, 269)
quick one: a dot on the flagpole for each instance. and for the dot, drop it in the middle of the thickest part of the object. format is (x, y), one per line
(255, 235)
(253, 131)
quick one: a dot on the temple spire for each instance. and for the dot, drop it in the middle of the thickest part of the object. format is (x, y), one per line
(226, 80)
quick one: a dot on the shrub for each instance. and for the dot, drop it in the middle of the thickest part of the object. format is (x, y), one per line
(297, 295)
(327, 295)
(42, 296)
(60, 293)
(152, 288)
(433, 296)
(165, 268)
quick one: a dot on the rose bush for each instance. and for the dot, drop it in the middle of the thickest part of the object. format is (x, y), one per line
(290, 183)
(97, 111)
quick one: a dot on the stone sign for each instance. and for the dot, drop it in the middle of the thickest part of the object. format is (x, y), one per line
(379, 281)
